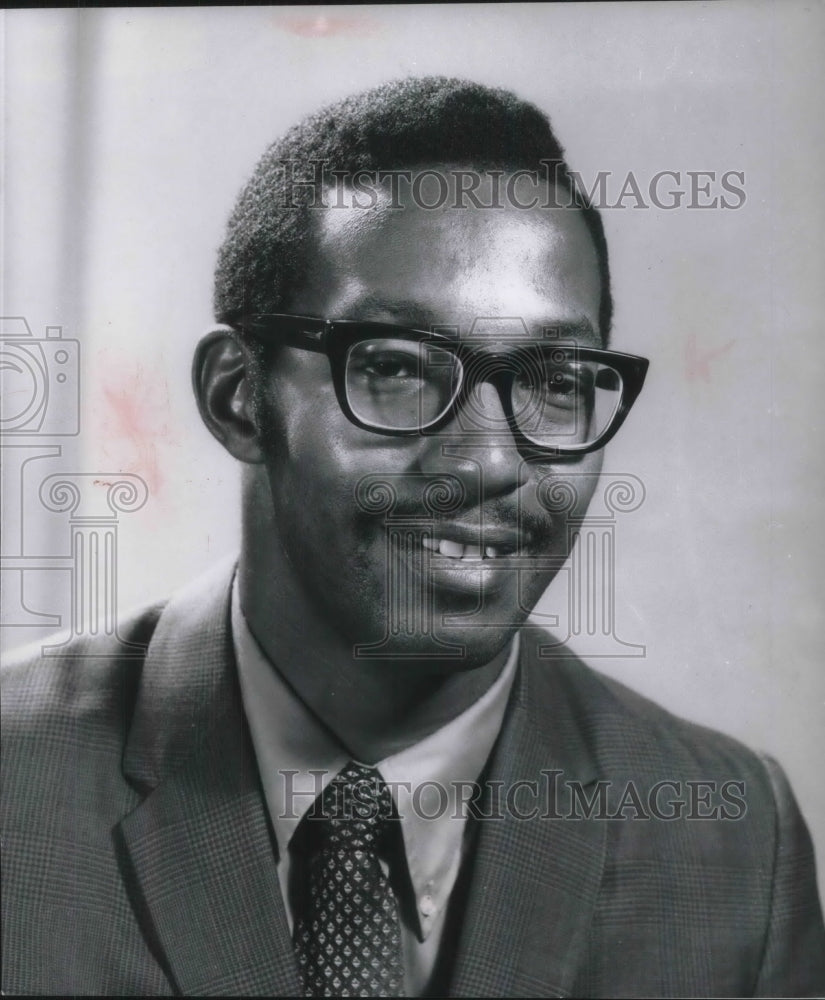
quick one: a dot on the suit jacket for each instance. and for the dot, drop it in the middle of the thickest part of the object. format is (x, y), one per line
(138, 856)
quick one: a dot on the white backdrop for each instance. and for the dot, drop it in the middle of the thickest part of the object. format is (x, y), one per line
(129, 132)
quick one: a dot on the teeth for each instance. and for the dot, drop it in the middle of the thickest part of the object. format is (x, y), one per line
(455, 550)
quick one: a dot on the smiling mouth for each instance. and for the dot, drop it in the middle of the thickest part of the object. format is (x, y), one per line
(460, 551)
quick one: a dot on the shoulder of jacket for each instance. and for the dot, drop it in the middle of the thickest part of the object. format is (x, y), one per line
(623, 721)
(72, 674)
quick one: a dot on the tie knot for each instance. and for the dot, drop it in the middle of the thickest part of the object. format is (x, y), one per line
(353, 810)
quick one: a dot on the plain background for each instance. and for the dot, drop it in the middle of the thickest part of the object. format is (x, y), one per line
(129, 132)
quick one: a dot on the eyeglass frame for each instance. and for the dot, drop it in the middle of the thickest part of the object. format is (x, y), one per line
(334, 338)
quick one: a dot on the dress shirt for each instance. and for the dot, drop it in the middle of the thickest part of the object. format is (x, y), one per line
(298, 756)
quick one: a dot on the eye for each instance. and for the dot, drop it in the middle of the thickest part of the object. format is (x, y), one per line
(570, 379)
(391, 365)
(557, 386)
(560, 380)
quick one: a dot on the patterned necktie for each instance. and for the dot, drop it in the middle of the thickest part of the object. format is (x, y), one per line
(347, 935)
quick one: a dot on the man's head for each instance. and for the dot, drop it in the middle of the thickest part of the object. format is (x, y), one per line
(395, 127)
(437, 540)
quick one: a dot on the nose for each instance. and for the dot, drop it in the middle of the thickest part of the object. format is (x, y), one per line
(478, 447)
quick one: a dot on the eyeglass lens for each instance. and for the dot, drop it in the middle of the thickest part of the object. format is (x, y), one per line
(556, 398)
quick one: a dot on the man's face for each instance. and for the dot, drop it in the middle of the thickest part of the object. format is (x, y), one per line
(410, 577)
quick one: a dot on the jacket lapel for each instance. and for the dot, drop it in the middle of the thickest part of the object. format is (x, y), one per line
(198, 854)
(534, 882)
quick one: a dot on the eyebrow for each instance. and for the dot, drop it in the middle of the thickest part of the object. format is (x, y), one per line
(414, 314)
(402, 310)
(571, 330)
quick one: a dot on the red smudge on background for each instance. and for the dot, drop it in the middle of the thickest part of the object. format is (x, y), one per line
(328, 25)
(697, 362)
(137, 416)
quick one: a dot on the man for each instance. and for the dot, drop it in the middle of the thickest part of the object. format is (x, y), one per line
(345, 767)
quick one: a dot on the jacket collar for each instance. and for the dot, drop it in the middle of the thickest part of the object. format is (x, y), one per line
(198, 852)
(187, 687)
(534, 881)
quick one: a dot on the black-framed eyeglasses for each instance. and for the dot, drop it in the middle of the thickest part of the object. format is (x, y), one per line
(556, 399)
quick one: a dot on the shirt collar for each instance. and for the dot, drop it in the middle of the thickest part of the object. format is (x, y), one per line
(431, 782)
(298, 756)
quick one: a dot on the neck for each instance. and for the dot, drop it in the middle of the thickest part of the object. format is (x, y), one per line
(375, 707)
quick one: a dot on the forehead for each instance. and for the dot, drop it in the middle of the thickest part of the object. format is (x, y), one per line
(476, 268)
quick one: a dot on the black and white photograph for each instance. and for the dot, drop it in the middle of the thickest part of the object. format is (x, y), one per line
(412, 555)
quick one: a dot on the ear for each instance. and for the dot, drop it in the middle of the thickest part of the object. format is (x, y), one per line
(222, 388)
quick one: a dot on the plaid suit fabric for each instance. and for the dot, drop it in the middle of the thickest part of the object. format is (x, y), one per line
(138, 857)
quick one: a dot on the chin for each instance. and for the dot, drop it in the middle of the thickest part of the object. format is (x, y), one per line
(441, 626)
(450, 649)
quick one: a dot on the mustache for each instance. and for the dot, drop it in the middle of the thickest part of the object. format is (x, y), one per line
(536, 531)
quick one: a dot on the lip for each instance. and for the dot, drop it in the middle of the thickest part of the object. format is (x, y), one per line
(471, 576)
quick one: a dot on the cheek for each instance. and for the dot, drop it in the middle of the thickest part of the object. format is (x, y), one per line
(296, 401)
(560, 496)
(589, 469)
(319, 463)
